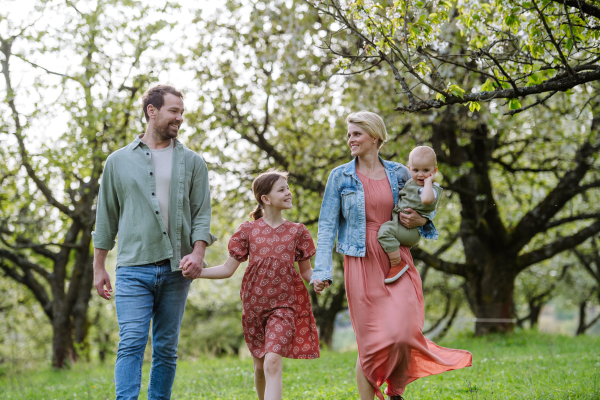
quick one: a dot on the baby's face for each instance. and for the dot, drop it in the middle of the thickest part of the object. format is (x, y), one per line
(421, 168)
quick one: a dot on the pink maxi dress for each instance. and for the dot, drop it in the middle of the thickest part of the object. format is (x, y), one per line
(388, 319)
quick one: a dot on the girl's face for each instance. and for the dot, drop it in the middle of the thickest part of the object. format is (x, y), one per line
(280, 195)
(360, 142)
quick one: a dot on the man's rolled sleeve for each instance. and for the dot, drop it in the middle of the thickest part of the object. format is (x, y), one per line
(200, 205)
(107, 211)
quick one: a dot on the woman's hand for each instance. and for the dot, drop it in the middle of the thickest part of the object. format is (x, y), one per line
(319, 286)
(411, 219)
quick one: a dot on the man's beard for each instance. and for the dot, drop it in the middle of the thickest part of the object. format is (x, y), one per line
(164, 132)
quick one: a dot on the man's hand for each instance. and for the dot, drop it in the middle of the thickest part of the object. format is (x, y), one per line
(101, 277)
(192, 264)
(411, 219)
(319, 286)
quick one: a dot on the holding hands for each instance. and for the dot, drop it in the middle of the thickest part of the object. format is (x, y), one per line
(192, 264)
(319, 286)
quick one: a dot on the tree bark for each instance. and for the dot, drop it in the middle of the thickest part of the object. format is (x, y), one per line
(493, 252)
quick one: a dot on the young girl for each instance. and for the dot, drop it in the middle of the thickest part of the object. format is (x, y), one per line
(277, 317)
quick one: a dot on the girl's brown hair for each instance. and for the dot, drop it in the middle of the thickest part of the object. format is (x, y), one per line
(261, 186)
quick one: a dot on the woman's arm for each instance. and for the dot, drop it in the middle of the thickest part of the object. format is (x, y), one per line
(411, 219)
(327, 231)
(221, 271)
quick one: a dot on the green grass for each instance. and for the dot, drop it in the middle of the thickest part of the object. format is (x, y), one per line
(522, 366)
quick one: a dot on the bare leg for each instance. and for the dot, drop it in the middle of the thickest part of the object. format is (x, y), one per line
(272, 367)
(365, 389)
(259, 377)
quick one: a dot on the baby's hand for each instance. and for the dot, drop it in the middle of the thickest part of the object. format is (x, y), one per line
(430, 179)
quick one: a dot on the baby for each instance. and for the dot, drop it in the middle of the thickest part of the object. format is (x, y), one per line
(422, 195)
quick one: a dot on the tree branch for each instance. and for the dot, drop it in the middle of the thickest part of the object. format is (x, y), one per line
(558, 246)
(558, 222)
(29, 280)
(581, 5)
(536, 219)
(439, 264)
(562, 84)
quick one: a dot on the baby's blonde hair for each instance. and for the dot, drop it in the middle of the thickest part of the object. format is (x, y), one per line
(423, 151)
(371, 123)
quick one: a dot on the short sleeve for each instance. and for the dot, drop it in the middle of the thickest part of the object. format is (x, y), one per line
(238, 244)
(305, 246)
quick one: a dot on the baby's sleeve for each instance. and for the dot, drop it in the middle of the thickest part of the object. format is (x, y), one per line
(305, 246)
(238, 244)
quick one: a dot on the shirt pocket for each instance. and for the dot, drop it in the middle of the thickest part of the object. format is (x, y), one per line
(187, 186)
(349, 199)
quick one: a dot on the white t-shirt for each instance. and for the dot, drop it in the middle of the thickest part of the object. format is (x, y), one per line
(162, 160)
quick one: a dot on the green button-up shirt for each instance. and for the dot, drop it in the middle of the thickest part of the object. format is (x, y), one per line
(127, 204)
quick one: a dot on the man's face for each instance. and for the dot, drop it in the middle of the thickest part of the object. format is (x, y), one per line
(169, 118)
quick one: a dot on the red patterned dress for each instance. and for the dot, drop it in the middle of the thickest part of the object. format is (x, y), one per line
(277, 315)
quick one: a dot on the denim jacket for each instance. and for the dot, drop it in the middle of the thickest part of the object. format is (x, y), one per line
(343, 215)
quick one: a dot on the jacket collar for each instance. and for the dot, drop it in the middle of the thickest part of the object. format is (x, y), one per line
(390, 166)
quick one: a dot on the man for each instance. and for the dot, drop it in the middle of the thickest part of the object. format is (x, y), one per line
(155, 194)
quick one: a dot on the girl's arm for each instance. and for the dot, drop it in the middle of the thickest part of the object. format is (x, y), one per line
(305, 269)
(221, 271)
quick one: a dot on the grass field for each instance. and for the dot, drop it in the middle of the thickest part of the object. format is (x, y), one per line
(522, 366)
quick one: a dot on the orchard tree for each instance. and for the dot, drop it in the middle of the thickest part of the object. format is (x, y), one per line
(443, 53)
(49, 180)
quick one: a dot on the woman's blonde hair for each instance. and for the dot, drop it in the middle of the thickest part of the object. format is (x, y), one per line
(371, 123)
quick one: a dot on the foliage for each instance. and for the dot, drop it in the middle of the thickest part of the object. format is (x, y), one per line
(522, 366)
(51, 180)
(469, 51)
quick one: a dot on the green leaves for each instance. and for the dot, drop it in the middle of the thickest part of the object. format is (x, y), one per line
(457, 91)
(473, 106)
(514, 104)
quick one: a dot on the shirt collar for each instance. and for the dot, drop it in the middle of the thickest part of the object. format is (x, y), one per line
(138, 141)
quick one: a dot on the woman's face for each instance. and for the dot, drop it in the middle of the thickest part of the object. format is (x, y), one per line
(360, 142)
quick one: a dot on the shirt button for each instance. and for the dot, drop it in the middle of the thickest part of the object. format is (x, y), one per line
(165, 233)
(150, 173)
(156, 212)
(152, 193)
(147, 154)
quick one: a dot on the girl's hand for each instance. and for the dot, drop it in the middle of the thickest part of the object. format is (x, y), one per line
(319, 286)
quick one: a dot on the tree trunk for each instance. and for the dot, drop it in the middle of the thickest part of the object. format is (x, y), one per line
(325, 314)
(490, 297)
(63, 351)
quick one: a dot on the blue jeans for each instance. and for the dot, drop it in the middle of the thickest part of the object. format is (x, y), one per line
(144, 293)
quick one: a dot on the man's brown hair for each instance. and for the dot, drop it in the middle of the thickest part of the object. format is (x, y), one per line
(156, 96)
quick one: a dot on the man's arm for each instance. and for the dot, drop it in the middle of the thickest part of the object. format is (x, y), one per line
(101, 277)
(200, 204)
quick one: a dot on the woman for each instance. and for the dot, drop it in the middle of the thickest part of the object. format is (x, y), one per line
(387, 319)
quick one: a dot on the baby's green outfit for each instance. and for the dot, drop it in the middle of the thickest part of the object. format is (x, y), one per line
(392, 234)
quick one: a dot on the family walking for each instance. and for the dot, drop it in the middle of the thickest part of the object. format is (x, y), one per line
(155, 195)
